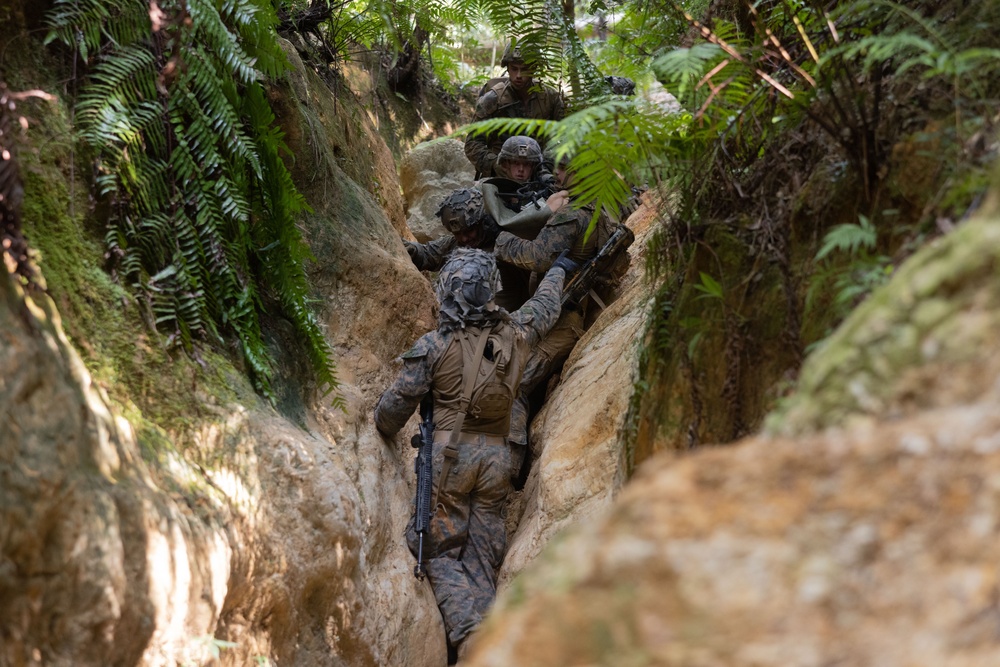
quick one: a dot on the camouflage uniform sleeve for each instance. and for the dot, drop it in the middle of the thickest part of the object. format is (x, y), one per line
(557, 235)
(477, 148)
(430, 256)
(539, 314)
(558, 110)
(398, 402)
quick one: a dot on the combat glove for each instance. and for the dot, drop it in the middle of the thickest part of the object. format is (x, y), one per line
(565, 263)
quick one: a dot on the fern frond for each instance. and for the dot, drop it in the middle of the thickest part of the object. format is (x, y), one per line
(849, 238)
(185, 157)
(680, 70)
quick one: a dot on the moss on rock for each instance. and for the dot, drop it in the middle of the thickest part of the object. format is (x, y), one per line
(940, 311)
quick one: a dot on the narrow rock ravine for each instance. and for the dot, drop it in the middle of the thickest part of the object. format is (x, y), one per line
(156, 510)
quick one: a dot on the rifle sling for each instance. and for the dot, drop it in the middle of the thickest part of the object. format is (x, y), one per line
(470, 369)
(598, 300)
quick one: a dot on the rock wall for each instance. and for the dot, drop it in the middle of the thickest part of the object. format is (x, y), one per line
(99, 565)
(861, 532)
(576, 446)
(248, 531)
(429, 173)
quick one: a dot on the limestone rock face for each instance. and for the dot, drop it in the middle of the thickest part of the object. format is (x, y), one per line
(98, 566)
(263, 533)
(870, 542)
(428, 174)
(292, 550)
(578, 459)
(873, 546)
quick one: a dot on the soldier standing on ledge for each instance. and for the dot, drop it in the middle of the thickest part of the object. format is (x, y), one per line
(516, 95)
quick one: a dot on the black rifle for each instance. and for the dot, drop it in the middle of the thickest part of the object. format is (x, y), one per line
(595, 268)
(534, 191)
(516, 196)
(424, 442)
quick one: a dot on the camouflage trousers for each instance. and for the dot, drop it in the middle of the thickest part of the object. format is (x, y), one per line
(467, 538)
(547, 355)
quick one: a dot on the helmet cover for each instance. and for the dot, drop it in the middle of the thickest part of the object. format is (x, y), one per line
(620, 85)
(511, 54)
(520, 147)
(466, 286)
(462, 209)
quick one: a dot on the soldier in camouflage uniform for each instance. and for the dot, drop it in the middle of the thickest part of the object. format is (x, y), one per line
(462, 213)
(513, 96)
(522, 198)
(466, 538)
(565, 231)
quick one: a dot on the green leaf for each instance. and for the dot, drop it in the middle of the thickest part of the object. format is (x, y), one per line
(849, 238)
(709, 286)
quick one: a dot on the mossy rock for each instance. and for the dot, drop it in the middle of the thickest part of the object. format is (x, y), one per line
(926, 338)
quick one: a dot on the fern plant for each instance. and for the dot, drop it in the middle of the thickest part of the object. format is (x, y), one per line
(860, 269)
(204, 207)
(866, 270)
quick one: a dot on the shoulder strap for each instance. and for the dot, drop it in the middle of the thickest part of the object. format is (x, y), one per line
(501, 86)
(470, 369)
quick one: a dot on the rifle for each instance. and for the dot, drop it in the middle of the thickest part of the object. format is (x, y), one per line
(594, 270)
(516, 196)
(534, 191)
(424, 443)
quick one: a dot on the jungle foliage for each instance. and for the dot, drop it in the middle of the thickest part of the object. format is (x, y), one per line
(823, 143)
(203, 208)
(818, 144)
(785, 162)
(189, 157)
(457, 39)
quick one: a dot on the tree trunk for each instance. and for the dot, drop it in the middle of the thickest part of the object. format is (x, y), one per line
(403, 76)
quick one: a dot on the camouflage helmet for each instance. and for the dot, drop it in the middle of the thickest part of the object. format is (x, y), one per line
(511, 54)
(461, 209)
(520, 148)
(620, 85)
(466, 286)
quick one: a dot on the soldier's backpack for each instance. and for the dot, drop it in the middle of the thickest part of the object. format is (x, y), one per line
(496, 383)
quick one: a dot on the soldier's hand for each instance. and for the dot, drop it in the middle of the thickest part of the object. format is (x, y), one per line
(565, 263)
(411, 248)
(558, 200)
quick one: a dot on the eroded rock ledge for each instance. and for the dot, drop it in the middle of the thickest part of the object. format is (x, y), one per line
(865, 536)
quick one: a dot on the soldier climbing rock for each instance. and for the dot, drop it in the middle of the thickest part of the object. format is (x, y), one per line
(472, 365)
(462, 213)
